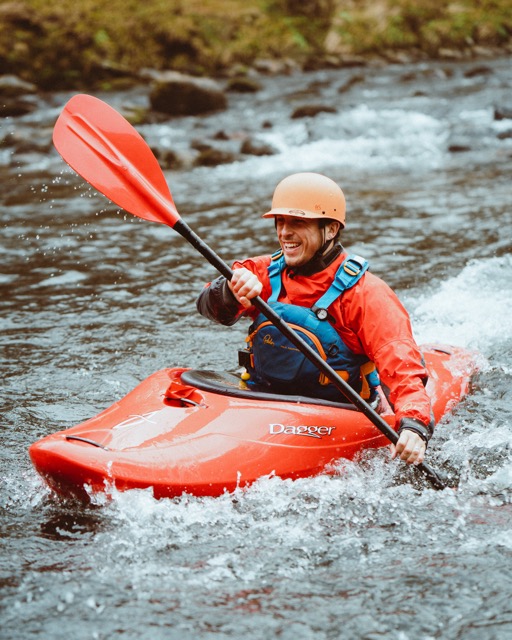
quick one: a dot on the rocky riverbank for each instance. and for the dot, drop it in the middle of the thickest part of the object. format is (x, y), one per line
(194, 57)
(171, 101)
(98, 45)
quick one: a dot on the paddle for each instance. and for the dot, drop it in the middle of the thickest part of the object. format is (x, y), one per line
(104, 148)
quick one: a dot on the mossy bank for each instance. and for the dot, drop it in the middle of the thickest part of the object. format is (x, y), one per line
(102, 43)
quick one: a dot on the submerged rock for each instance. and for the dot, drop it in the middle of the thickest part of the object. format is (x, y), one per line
(211, 157)
(503, 113)
(178, 94)
(255, 148)
(243, 85)
(14, 87)
(14, 107)
(310, 111)
(16, 96)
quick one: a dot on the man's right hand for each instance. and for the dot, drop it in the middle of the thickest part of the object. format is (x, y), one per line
(244, 286)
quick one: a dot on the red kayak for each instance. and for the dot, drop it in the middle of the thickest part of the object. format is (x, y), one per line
(203, 433)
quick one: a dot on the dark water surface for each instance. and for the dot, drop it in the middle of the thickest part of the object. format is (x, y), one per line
(93, 301)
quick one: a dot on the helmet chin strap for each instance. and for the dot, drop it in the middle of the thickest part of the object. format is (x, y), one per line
(326, 245)
(324, 249)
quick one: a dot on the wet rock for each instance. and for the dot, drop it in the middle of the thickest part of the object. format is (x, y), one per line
(310, 90)
(24, 141)
(210, 156)
(243, 85)
(168, 159)
(457, 147)
(16, 97)
(200, 145)
(350, 61)
(231, 137)
(178, 94)
(446, 53)
(438, 73)
(14, 107)
(138, 115)
(505, 135)
(317, 62)
(409, 76)
(400, 57)
(312, 110)
(503, 113)
(477, 71)
(14, 87)
(350, 83)
(254, 148)
(275, 67)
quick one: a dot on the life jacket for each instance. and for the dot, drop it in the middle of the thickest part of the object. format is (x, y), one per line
(274, 362)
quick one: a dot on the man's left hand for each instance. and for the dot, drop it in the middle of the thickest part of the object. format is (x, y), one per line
(410, 448)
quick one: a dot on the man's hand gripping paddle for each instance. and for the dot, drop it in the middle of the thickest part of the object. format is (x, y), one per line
(104, 148)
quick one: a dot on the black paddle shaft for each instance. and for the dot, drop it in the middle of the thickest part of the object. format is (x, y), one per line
(186, 232)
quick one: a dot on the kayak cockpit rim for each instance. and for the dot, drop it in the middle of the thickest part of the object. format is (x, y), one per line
(229, 384)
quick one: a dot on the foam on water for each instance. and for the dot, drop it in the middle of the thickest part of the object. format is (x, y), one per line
(470, 310)
(358, 139)
(370, 551)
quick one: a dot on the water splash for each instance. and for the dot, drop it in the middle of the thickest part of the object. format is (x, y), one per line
(471, 309)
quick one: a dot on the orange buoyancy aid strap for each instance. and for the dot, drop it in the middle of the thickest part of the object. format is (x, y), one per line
(367, 369)
(324, 380)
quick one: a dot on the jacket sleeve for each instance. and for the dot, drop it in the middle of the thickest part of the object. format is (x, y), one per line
(217, 303)
(384, 330)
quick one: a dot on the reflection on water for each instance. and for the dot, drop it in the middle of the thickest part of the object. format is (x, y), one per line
(94, 300)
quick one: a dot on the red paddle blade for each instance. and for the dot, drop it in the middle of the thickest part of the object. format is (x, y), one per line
(103, 147)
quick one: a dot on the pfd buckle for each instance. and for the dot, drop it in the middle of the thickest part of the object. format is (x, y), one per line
(245, 358)
(353, 265)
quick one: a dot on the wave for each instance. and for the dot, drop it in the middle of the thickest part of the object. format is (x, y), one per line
(360, 139)
(472, 309)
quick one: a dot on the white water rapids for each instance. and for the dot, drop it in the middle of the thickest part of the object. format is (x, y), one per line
(93, 302)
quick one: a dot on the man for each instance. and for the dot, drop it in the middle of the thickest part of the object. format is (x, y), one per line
(370, 324)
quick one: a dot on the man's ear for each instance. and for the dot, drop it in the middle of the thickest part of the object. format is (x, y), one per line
(332, 229)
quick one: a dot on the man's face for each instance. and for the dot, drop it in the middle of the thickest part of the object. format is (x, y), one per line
(300, 239)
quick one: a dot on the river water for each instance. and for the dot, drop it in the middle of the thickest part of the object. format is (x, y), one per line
(93, 301)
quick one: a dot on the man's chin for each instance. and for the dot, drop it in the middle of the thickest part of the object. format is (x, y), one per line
(292, 259)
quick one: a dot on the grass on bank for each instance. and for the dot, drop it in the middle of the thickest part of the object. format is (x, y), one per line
(78, 44)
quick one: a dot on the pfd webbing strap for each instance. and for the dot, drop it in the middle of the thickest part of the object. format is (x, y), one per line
(349, 272)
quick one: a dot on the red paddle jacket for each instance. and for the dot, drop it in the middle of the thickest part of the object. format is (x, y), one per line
(369, 318)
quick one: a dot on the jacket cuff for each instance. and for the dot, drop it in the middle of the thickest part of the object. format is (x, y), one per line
(217, 303)
(411, 424)
(228, 297)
